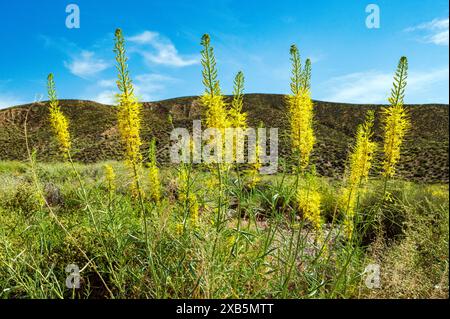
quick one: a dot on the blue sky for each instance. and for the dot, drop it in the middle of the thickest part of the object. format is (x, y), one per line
(351, 63)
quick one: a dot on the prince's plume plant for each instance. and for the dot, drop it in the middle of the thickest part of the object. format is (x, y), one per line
(128, 111)
(302, 135)
(58, 121)
(309, 201)
(153, 173)
(129, 123)
(110, 177)
(396, 120)
(301, 109)
(237, 118)
(360, 164)
(216, 116)
(212, 98)
(188, 197)
(256, 166)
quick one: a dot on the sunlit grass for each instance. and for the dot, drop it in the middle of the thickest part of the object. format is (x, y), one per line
(410, 243)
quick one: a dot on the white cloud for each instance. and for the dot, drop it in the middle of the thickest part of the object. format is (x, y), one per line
(145, 37)
(82, 63)
(374, 87)
(7, 100)
(435, 31)
(105, 97)
(440, 38)
(360, 87)
(107, 83)
(86, 65)
(147, 87)
(162, 52)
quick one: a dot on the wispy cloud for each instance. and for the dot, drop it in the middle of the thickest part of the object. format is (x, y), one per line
(107, 83)
(86, 65)
(80, 62)
(162, 50)
(105, 97)
(359, 87)
(8, 99)
(374, 87)
(147, 87)
(435, 31)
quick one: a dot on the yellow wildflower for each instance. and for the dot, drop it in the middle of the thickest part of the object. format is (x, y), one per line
(360, 164)
(300, 107)
(128, 115)
(58, 121)
(309, 204)
(153, 174)
(255, 177)
(212, 99)
(129, 110)
(110, 177)
(237, 118)
(187, 195)
(179, 229)
(396, 120)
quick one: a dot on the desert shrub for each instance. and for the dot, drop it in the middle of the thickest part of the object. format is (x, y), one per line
(24, 198)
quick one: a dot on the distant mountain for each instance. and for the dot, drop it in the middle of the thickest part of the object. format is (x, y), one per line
(95, 137)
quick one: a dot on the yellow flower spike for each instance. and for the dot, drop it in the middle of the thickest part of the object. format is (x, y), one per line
(361, 158)
(309, 204)
(300, 107)
(211, 183)
(348, 227)
(179, 229)
(359, 167)
(128, 111)
(153, 174)
(396, 120)
(58, 121)
(238, 119)
(231, 240)
(302, 133)
(212, 99)
(216, 115)
(182, 183)
(110, 177)
(255, 177)
(187, 196)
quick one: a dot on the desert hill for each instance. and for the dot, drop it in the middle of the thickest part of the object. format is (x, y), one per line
(95, 137)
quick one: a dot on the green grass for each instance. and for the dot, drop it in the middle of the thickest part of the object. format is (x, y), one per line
(261, 247)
